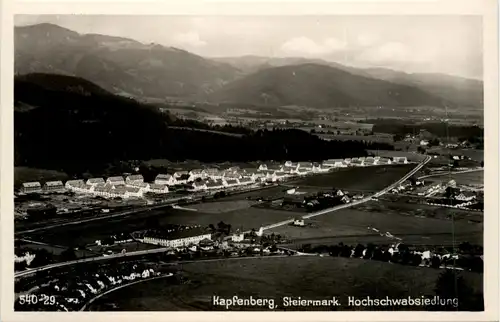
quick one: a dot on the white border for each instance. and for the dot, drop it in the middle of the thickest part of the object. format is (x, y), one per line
(487, 8)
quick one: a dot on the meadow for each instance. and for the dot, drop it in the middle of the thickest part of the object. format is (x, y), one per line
(310, 277)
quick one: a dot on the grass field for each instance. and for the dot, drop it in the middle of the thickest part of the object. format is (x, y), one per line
(245, 219)
(25, 174)
(351, 226)
(475, 178)
(223, 206)
(275, 278)
(359, 179)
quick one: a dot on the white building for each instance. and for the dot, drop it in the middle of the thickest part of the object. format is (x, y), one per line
(400, 160)
(305, 166)
(50, 186)
(334, 163)
(116, 181)
(196, 173)
(135, 178)
(199, 185)
(262, 167)
(214, 173)
(73, 183)
(230, 182)
(182, 238)
(134, 192)
(158, 188)
(246, 181)
(142, 185)
(94, 181)
(238, 237)
(299, 222)
(165, 179)
(31, 187)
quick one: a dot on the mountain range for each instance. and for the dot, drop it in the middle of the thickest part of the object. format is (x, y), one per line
(128, 67)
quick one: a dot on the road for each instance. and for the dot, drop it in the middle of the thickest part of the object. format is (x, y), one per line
(286, 222)
(357, 202)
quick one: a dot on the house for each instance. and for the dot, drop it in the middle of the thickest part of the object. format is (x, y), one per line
(400, 160)
(333, 163)
(158, 188)
(316, 167)
(94, 181)
(134, 178)
(238, 237)
(288, 164)
(31, 187)
(53, 186)
(179, 174)
(382, 161)
(214, 184)
(254, 174)
(299, 222)
(275, 167)
(357, 162)
(289, 170)
(246, 181)
(116, 181)
(424, 143)
(199, 185)
(182, 179)
(119, 192)
(214, 173)
(73, 183)
(232, 175)
(370, 161)
(233, 169)
(133, 192)
(465, 196)
(177, 238)
(144, 186)
(196, 173)
(262, 167)
(305, 166)
(230, 182)
(102, 191)
(165, 179)
(347, 161)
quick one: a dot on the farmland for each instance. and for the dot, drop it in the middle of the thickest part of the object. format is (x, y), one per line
(358, 179)
(309, 277)
(474, 178)
(353, 226)
(246, 218)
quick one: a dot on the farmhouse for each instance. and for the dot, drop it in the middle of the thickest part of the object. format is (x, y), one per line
(73, 183)
(116, 181)
(181, 237)
(30, 187)
(165, 179)
(94, 181)
(53, 186)
(158, 188)
(262, 167)
(134, 178)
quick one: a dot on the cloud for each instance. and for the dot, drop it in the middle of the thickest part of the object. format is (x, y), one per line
(365, 40)
(189, 39)
(392, 51)
(307, 46)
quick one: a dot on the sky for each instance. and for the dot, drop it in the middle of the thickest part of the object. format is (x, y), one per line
(426, 43)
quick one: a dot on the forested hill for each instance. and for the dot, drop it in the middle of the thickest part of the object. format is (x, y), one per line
(67, 123)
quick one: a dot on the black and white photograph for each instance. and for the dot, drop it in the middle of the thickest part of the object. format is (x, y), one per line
(238, 163)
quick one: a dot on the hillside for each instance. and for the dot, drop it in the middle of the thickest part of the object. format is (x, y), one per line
(321, 86)
(119, 65)
(74, 126)
(459, 91)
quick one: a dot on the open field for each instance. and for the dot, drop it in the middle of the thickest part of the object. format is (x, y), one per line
(352, 226)
(360, 179)
(25, 174)
(223, 206)
(309, 277)
(474, 178)
(245, 219)
(476, 155)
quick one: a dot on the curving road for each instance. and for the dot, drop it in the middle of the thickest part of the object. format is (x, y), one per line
(286, 222)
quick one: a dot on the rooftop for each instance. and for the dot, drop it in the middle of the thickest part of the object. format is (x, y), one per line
(177, 233)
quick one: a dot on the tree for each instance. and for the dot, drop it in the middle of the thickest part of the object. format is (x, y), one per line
(358, 251)
(452, 286)
(435, 262)
(482, 164)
